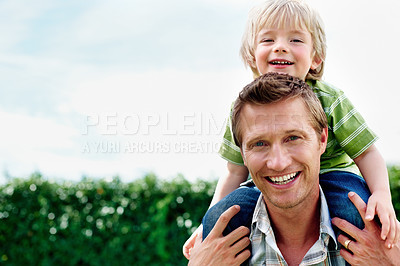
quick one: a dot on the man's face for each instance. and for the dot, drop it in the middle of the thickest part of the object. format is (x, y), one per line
(282, 151)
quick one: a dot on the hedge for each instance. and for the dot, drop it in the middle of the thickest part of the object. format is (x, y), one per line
(95, 222)
(106, 222)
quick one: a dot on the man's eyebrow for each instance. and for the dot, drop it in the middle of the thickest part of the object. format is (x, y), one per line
(291, 131)
(256, 138)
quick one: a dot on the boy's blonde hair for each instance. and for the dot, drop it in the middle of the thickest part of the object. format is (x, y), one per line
(280, 14)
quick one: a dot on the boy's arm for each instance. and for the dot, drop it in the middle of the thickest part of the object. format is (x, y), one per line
(374, 171)
(237, 174)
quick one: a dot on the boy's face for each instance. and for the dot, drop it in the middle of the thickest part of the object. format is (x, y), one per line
(286, 51)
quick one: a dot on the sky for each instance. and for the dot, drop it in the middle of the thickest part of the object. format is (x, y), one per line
(124, 88)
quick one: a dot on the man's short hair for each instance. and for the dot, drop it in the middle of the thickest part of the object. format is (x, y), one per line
(280, 14)
(272, 88)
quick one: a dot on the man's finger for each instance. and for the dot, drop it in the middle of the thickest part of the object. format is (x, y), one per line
(237, 234)
(359, 203)
(346, 227)
(223, 220)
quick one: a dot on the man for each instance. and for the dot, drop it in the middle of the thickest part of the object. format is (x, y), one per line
(281, 129)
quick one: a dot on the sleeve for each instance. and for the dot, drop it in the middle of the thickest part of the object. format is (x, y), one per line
(228, 149)
(349, 127)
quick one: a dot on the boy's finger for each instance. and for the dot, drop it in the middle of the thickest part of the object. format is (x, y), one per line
(370, 213)
(224, 219)
(386, 226)
(197, 240)
(391, 237)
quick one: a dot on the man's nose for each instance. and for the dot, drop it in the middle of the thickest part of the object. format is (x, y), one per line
(278, 159)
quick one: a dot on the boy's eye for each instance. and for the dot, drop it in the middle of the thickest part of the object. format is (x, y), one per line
(267, 40)
(297, 40)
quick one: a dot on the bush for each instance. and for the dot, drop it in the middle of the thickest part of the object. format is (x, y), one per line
(394, 177)
(94, 222)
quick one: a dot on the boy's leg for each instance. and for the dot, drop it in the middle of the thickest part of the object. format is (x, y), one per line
(336, 185)
(245, 196)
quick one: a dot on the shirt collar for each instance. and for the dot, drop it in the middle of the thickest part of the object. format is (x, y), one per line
(262, 222)
(326, 226)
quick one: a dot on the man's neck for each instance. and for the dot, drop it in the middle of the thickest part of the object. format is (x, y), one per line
(296, 229)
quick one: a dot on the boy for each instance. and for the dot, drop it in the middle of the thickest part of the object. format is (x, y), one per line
(287, 36)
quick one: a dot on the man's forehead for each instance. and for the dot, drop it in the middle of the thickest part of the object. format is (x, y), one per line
(280, 118)
(277, 121)
(284, 116)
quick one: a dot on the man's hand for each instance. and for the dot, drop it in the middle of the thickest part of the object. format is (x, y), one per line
(217, 249)
(366, 247)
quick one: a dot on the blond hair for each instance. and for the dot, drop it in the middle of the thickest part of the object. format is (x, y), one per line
(280, 14)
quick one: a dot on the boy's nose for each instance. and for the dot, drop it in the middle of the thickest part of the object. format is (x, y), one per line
(280, 50)
(280, 47)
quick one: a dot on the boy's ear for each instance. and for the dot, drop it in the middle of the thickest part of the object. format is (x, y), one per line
(316, 62)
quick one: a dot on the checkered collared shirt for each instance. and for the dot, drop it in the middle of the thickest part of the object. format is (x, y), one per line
(266, 252)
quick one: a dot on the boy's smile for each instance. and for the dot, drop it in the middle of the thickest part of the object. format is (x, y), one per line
(285, 50)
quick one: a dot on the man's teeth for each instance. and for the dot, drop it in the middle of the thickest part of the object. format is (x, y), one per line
(281, 63)
(282, 180)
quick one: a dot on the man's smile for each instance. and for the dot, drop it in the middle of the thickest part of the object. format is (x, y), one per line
(284, 179)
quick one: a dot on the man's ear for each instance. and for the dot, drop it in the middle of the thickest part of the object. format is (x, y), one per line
(323, 140)
(244, 159)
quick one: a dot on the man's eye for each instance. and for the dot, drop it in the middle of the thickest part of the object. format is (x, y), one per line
(291, 138)
(259, 144)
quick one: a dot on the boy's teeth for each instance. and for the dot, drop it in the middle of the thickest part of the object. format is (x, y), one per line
(281, 63)
(283, 179)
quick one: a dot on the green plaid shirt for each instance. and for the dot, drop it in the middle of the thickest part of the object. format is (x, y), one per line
(266, 252)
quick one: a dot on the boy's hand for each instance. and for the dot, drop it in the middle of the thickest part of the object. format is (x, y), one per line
(189, 244)
(380, 204)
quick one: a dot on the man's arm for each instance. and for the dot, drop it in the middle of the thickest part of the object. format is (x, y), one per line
(217, 249)
(367, 247)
